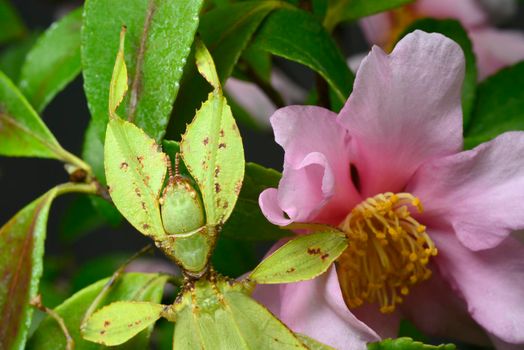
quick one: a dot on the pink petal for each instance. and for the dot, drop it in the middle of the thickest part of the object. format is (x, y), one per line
(502, 345)
(435, 309)
(268, 202)
(316, 308)
(405, 109)
(480, 193)
(496, 49)
(491, 282)
(316, 183)
(468, 12)
(377, 28)
(385, 325)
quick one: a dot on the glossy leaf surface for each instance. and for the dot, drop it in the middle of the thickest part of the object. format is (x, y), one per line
(11, 26)
(22, 132)
(135, 171)
(22, 247)
(298, 36)
(301, 259)
(53, 62)
(118, 322)
(131, 287)
(499, 106)
(158, 40)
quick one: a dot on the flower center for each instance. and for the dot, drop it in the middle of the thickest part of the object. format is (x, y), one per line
(388, 251)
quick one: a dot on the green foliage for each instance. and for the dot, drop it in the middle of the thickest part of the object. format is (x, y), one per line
(298, 36)
(159, 37)
(312, 344)
(220, 316)
(407, 344)
(131, 287)
(135, 171)
(226, 31)
(350, 10)
(11, 26)
(247, 221)
(212, 149)
(12, 57)
(499, 106)
(454, 30)
(22, 132)
(118, 84)
(22, 246)
(118, 322)
(53, 62)
(302, 258)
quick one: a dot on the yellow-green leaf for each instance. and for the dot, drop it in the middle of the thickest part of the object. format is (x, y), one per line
(301, 259)
(118, 322)
(118, 84)
(135, 170)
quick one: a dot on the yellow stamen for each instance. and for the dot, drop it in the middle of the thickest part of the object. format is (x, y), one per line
(388, 251)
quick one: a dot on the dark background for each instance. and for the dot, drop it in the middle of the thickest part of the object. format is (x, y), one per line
(24, 179)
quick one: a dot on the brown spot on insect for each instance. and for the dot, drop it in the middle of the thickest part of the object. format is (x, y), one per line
(217, 187)
(234, 127)
(137, 191)
(102, 332)
(107, 323)
(140, 160)
(146, 180)
(143, 205)
(221, 133)
(205, 141)
(130, 325)
(137, 322)
(291, 270)
(314, 251)
(146, 226)
(225, 205)
(217, 170)
(238, 187)
(109, 189)
(221, 145)
(324, 256)
(124, 166)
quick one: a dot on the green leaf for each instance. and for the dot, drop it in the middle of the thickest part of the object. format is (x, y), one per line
(205, 65)
(298, 36)
(22, 132)
(135, 171)
(131, 287)
(11, 26)
(158, 40)
(12, 57)
(22, 246)
(53, 62)
(454, 30)
(212, 149)
(247, 221)
(120, 321)
(499, 106)
(233, 257)
(301, 259)
(350, 10)
(220, 316)
(118, 85)
(312, 344)
(226, 31)
(407, 344)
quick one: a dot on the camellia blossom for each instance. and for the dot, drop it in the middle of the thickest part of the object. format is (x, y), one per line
(430, 227)
(494, 48)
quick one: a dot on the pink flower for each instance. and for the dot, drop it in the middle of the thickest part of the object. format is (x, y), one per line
(430, 228)
(493, 48)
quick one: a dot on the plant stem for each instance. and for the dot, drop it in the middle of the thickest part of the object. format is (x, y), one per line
(37, 303)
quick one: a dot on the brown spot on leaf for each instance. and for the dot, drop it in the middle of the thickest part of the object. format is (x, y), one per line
(314, 251)
(124, 166)
(107, 323)
(102, 332)
(291, 270)
(221, 132)
(205, 141)
(140, 160)
(217, 187)
(222, 145)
